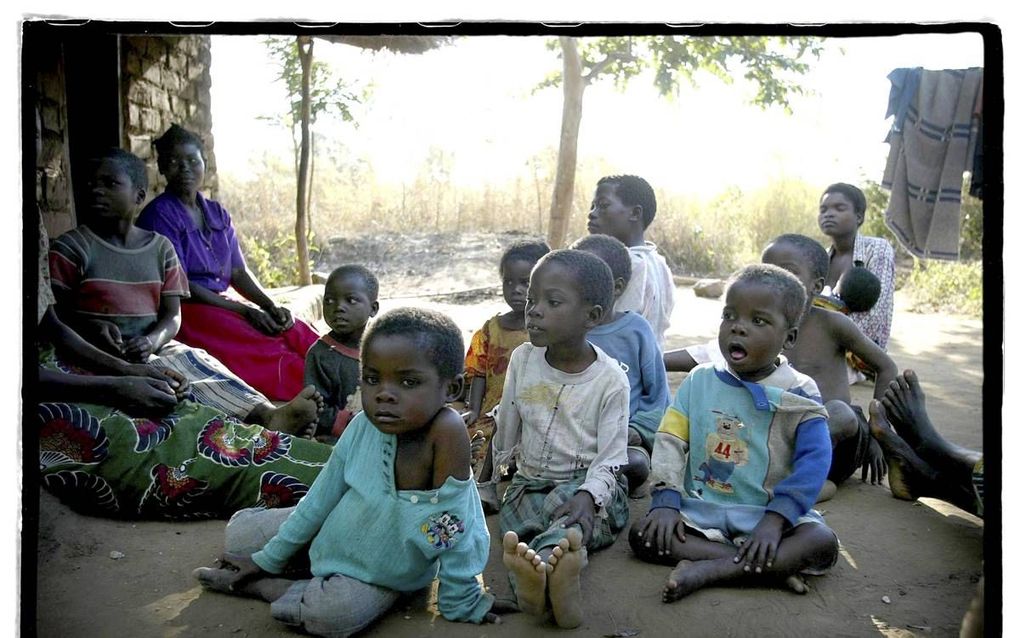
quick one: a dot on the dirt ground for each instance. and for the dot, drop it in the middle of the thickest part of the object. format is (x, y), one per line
(905, 568)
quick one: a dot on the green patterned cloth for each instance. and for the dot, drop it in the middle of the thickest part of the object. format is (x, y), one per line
(194, 463)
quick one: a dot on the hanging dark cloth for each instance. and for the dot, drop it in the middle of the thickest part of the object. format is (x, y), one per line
(931, 143)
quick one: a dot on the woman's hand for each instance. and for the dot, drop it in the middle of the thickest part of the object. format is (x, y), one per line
(142, 396)
(281, 316)
(579, 509)
(261, 320)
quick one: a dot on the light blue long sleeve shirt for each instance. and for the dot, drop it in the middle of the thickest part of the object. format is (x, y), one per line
(361, 526)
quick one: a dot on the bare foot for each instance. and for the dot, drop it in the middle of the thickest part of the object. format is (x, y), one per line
(682, 581)
(216, 579)
(904, 404)
(568, 558)
(295, 416)
(909, 476)
(530, 571)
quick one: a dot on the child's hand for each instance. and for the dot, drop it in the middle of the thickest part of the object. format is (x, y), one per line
(760, 549)
(247, 570)
(659, 527)
(579, 509)
(138, 348)
(874, 460)
(106, 336)
(143, 396)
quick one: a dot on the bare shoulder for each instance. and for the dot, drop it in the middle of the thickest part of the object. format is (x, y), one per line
(451, 446)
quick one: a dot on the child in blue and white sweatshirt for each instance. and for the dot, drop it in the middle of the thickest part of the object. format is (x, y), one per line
(741, 455)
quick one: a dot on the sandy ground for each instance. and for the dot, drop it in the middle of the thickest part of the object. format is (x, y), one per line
(923, 558)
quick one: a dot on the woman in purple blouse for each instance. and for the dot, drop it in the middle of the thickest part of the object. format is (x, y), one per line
(261, 343)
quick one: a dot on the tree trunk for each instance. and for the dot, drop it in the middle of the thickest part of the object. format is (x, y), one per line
(304, 45)
(566, 160)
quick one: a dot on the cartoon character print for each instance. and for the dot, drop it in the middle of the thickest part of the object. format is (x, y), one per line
(150, 433)
(726, 451)
(83, 492)
(442, 530)
(172, 492)
(279, 490)
(226, 442)
(68, 434)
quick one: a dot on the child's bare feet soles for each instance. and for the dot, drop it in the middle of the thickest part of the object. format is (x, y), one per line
(565, 565)
(216, 579)
(909, 475)
(530, 570)
(294, 416)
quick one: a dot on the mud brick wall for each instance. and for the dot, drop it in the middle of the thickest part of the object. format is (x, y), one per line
(166, 80)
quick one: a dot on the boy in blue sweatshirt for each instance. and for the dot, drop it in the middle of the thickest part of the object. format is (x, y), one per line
(741, 455)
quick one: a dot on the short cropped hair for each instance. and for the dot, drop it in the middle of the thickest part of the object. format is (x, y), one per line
(813, 251)
(175, 136)
(529, 250)
(371, 282)
(435, 333)
(633, 191)
(610, 250)
(131, 164)
(790, 293)
(592, 275)
(851, 192)
(859, 289)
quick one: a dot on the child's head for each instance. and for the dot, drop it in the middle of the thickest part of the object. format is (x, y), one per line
(623, 207)
(180, 156)
(764, 304)
(117, 186)
(515, 270)
(612, 251)
(802, 256)
(841, 209)
(350, 299)
(859, 289)
(412, 363)
(570, 291)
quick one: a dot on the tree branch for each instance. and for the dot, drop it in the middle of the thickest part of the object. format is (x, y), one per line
(590, 76)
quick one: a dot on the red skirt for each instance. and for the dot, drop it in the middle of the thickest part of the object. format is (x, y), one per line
(272, 364)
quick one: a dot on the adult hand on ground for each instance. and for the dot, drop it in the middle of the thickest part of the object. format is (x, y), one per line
(874, 461)
(138, 348)
(760, 549)
(580, 509)
(659, 527)
(281, 317)
(261, 320)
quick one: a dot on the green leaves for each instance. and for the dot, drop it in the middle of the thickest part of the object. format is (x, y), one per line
(771, 63)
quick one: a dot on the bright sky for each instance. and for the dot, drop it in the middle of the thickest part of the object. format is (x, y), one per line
(475, 98)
